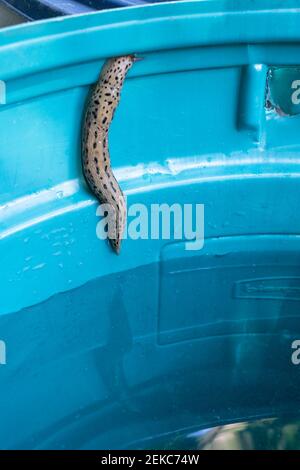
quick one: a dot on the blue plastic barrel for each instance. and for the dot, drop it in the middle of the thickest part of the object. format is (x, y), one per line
(105, 351)
(40, 9)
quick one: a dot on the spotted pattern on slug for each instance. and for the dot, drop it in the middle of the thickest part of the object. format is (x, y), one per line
(101, 107)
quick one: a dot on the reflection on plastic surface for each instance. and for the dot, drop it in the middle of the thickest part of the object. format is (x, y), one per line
(263, 434)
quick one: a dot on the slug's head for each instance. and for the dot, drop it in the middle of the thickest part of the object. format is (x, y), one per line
(116, 245)
(115, 70)
(117, 225)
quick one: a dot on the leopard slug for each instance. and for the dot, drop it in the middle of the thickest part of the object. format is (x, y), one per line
(101, 106)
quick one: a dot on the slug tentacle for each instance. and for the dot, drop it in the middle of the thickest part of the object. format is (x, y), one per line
(101, 107)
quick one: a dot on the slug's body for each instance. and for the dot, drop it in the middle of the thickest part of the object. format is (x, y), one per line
(96, 159)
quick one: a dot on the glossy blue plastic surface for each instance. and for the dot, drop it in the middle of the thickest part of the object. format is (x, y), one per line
(107, 351)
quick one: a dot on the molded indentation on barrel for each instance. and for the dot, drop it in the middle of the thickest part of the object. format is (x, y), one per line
(285, 288)
(234, 285)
